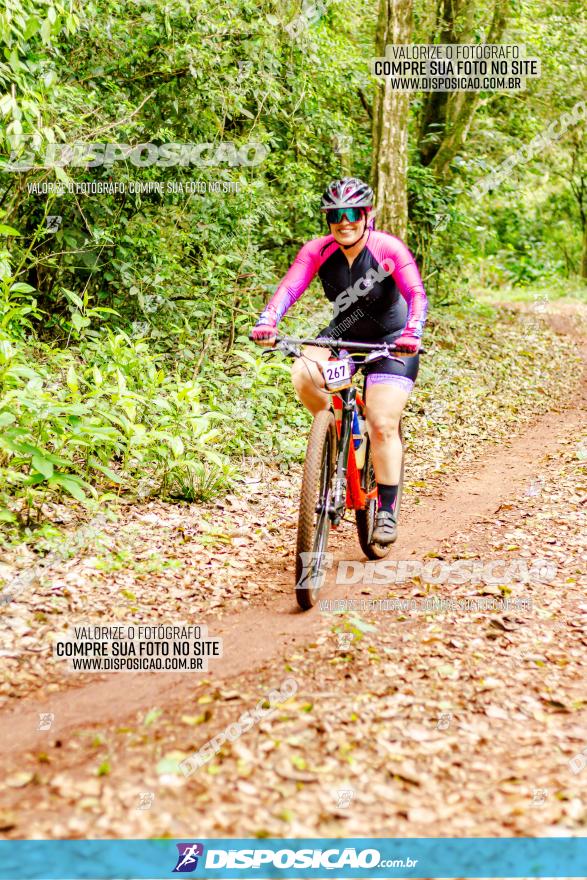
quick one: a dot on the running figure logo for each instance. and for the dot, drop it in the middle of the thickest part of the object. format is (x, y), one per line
(187, 860)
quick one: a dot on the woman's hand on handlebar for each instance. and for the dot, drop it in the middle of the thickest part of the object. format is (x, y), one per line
(264, 332)
(408, 343)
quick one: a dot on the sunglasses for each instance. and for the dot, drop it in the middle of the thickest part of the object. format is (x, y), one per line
(352, 215)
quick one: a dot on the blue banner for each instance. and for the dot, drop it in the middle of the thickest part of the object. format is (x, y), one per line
(386, 858)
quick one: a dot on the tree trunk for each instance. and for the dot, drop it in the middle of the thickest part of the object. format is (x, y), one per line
(390, 126)
(453, 19)
(584, 254)
(447, 117)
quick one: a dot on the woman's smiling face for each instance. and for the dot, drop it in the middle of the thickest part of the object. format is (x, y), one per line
(346, 231)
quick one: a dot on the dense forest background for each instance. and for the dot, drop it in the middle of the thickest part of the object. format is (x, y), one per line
(124, 360)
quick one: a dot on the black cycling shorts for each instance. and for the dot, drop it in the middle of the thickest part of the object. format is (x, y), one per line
(385, 370)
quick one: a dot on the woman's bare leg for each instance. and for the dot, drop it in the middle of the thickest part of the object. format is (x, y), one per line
(308, 379)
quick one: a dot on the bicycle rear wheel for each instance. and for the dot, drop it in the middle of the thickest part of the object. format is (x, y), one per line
(313, 520)
(365, 519)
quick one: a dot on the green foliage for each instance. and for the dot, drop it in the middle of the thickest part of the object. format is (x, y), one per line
(531, 226)
(183, 73)
(124, 360)
(105, 418)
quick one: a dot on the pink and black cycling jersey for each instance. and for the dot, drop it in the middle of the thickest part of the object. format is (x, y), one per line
(380, 294)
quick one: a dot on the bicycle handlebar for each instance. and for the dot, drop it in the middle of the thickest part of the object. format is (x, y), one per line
(325, 342)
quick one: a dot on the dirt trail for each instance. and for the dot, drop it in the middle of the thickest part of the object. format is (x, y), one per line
(260, 634)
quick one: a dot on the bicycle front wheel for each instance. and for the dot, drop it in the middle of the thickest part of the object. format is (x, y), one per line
(313, 520)
(365, 519)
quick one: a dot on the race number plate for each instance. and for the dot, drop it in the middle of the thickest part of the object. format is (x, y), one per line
(337, 374)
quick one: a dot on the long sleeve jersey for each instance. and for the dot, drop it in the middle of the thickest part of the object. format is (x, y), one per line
(382, 292)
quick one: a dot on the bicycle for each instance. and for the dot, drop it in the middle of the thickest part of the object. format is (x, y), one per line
(336, 477)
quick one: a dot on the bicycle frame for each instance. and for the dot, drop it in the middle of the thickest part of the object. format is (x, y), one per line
(348, 488)
(347, 478)
(332, 483)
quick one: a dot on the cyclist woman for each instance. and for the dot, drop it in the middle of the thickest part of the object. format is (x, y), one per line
(373, 281)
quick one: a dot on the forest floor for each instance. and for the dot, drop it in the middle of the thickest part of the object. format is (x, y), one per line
(407, 722)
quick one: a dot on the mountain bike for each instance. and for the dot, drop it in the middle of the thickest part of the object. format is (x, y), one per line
(337, 477)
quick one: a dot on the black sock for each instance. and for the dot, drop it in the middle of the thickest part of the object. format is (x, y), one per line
(386, 496)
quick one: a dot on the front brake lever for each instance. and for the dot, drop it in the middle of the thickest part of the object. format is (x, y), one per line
(293, 350)
(286, 348)
(376, 356)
